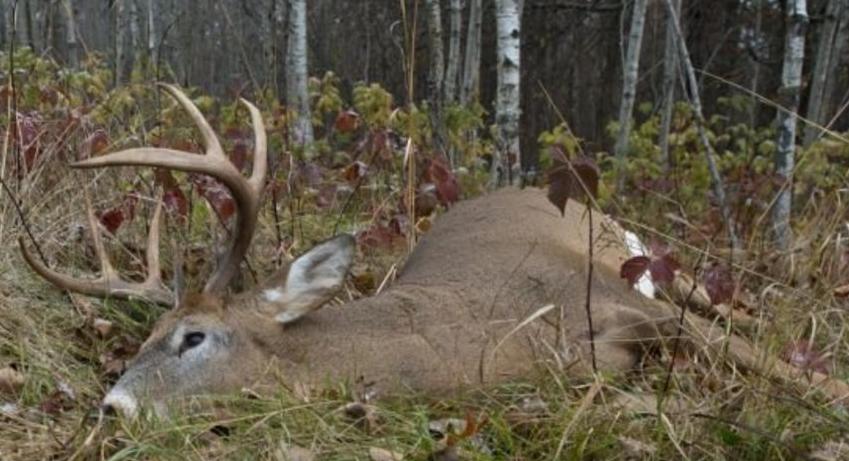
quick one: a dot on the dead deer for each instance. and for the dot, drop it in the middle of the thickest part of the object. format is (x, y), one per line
(494, 291)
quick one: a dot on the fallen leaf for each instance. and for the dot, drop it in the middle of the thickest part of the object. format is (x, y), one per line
(103, 327)
(11, 381)
(380, 454)
(634, 268)
(841, 291)
(286, 452)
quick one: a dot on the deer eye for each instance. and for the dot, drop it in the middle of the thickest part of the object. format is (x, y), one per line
(190, 340)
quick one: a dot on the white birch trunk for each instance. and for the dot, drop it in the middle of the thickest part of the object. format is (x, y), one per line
(819, 76)
(452, 70)
(297, 92)
(135, 35)
(791, 82)
(629, 87)
(472, 59)
(756, 67)
(152, 49)
(436, 72)
(670, 80)
(505, 163)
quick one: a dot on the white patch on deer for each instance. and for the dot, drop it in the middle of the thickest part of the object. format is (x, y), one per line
(272, 295)
(122, 401)
(636, 248)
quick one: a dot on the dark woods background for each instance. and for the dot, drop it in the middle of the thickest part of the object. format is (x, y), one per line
(572, 48)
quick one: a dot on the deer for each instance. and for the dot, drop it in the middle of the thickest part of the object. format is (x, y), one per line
(494, 292)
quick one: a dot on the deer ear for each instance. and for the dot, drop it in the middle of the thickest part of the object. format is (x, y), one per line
(312, 278)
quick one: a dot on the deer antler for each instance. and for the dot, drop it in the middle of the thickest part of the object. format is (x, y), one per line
(110, 283)
(247, 193)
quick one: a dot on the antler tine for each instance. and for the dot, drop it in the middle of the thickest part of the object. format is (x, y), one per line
(210, 139)
(109, 284)
(246, 193)
(106, 269)
(154, 277)
(260, 148)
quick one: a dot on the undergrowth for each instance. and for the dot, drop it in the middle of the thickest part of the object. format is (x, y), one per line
(60, 352)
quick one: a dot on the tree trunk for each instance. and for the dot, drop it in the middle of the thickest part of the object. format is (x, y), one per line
(820, 76)
(472, 59)
(436, 72)
(120, 36)
(629, 88)
(710, 155)
(505, 163)
(135, 35)
(152, 49)
(756, 66)
(452, 71)
(71, 34)
(791, 83)
(670, 80)
(297, 92)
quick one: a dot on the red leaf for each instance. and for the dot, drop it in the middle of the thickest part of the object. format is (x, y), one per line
(216, 194)
(175, 202)
(447, 187)
(96, 143)
(564, 184)
(378, 236)
(719, 284)
(239, 155)
(112, 219)
(347, 121)
(663, 269)
(804, 355)
(634, 268)
(355, 171)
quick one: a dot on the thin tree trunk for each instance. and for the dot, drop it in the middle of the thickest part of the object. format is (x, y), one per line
(436, 72)
(135, 35)
(629, 88)
(6, 13)
(71, 34)
(841, 43)
(152, 49)
(710, 154)
(120, 40)
(452, 71)
(296, 74)
(791, 83)
(505, 164)
(472, 59)
(756, 66)
(820, 76)
(670, 80)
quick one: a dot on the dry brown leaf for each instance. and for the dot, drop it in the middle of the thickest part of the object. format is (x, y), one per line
(381, 454)
(103, 327)
(841, 291)
(11, 381)
(288, 452)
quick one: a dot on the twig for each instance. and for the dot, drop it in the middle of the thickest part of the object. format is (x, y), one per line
(590, 284)
(22, 217)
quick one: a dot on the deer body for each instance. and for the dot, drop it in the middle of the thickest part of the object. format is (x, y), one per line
(496, 289)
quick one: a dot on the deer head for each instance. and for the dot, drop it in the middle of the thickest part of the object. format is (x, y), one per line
(209, 342)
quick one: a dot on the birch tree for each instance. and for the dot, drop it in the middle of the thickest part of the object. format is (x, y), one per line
(472, 58)
(629, 87)
(791, 83)
(452, 70)
(506, 158)
(828, 50)
(152, 49)
(297, 92)
(670, 78)
(436, 71)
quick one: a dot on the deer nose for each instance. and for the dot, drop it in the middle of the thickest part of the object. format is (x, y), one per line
(119, 400)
